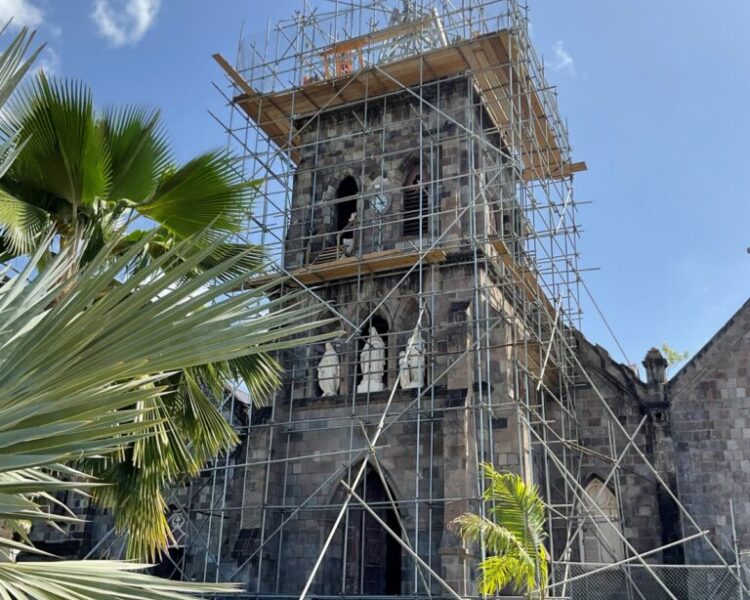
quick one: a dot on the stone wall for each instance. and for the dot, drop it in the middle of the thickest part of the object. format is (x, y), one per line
(603, 442)
(710, 411)
(378, 143)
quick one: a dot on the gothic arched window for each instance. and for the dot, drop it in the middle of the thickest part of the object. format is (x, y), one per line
(373, 557)
(416, 203)
(346, 202)
(601, 540)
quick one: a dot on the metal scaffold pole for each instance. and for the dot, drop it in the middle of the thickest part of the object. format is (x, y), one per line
(416, 181)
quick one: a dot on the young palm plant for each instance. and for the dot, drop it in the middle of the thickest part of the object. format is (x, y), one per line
(513, 535)
(82, 372)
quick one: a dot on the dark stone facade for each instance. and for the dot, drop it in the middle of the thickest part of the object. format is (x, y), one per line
(710, 415)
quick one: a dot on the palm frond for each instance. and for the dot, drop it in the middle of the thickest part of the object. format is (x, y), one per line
(513, 534)
(199, 392)
(14, 64)
(136, 497)
(260, 373)
(498, 539)
(498, 572)
(138, 150)
(517, 506)
(242, 325)
(252, 258)
(207, 192)
(63, 152)
(21, 223)
(189, 431)
(94, 580)
(69, 348)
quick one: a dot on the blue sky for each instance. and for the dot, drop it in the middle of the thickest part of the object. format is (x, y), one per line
(656, 95)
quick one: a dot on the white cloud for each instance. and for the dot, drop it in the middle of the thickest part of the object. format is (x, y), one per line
(124, 21)
(23, 13)
(48, 61)
(561, 58)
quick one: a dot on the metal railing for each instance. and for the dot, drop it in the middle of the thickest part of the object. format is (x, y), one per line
(634, 582)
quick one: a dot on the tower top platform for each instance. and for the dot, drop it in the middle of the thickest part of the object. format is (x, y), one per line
(354, 71)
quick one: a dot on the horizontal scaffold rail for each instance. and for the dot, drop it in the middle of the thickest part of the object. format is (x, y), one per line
(500, 77)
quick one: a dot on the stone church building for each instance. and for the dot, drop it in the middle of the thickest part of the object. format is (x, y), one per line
(419, 191)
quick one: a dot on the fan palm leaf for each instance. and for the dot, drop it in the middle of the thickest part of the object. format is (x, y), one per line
(64, 153)
(93, 580)
(138, 150)
(92, 167)
(103, 399)
(21, 223)
(205, 192)
(88, 341)
(15, 62)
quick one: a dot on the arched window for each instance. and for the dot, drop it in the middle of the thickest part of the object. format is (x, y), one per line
(601, 541)
(373, 557)
(346, 202)
(416, 203)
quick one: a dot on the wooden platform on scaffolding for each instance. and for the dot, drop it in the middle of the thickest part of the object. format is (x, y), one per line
(352, 266)
(502, 82)
(390, 260)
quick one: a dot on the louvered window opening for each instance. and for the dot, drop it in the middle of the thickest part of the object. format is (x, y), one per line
(415, 199)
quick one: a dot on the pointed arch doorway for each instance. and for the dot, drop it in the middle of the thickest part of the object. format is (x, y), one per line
(373, 557)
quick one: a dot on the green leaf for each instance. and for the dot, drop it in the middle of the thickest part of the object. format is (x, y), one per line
(95, 580)
(21, 223)
(138, 150)
(69, 351)
(64, 154)
(207, 192)
(513, 535)
(14, 62)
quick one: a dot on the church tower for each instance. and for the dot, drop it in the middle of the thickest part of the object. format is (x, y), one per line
(419, 161)
(415, 190)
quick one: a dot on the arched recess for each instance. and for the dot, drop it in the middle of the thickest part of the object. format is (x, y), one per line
(406, 320)
(601, 539)
(347, 193)
(381, 324)
(416, 202)
(373, 557)
(316, 351)
(407, 313)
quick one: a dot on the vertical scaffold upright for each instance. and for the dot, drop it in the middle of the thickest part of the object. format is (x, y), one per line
(416, 179)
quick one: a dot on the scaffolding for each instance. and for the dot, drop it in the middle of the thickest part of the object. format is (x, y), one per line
(414, 176)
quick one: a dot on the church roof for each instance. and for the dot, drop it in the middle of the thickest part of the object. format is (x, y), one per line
(595, 357)
(722, 341)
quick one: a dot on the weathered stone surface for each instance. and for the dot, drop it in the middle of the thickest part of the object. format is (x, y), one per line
(710, 414)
